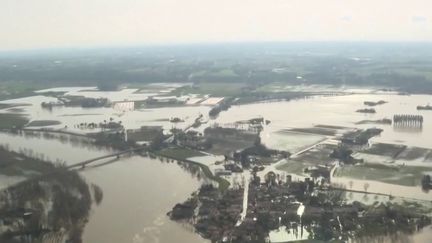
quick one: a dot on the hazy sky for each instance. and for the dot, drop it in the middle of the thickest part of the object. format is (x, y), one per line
(65, 23)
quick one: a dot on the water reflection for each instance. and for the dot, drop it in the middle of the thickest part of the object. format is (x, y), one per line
(52, 147)
(420, 236)
(51, 208)
(138, 192)
(408, 129)
(72, 140)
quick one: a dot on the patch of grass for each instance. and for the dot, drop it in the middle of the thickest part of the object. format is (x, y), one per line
(179, 153)
(314, 130)
(145, 105)
(85, 114)
(399, 175)
(223, 184)
(251, 96)
(222, 147)
(318, 155)
(293, 167)
(14, 164)
(11, 120)
(415, 71)
(390, 150)
(225, 89)
(16, 110)
(5, 105)
(18, 89)
(214, 74)
(412, 153)
(226, 140)
(53, 93)
(43, 123)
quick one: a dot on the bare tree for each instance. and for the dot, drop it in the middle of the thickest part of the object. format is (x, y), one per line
(366, 186)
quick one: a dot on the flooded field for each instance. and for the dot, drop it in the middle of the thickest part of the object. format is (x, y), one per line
(289, 141)
(333, 110)
(61, 117)
(339, 111)
(134, 210)
(421, 236)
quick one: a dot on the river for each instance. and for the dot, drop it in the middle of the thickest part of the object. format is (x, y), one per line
(137, 192)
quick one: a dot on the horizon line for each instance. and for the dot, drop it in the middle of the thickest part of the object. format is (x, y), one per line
(217, 43)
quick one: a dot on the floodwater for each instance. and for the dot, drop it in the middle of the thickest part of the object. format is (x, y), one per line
(137, 192)
(128, 94)
(301, 113)
(386, 188)
(290, 141)
(67, 149)
(339, 111)
(422, 236)
(71, 116)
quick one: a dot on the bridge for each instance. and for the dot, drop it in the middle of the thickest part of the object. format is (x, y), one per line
(114, 155)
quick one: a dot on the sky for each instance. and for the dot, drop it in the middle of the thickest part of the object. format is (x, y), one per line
(29, 24)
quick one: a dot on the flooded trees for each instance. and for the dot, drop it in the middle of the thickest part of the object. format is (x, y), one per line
(57, 203)
(426, 182)
(97, 194)
(343, 154)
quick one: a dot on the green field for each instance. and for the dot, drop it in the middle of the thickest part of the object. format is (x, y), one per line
(179, 153)
(14, 164)
(11, 120)
(225, 89)
(293, 167)
(11, 106)
(43, 123)
(400, 175)
(18, 89)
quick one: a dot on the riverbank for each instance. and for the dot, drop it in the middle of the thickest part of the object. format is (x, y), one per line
(222, 183)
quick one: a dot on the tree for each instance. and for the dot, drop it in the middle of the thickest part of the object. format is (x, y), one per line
(108, 85)
(366, 186)
(157, 142)
(426, 182)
